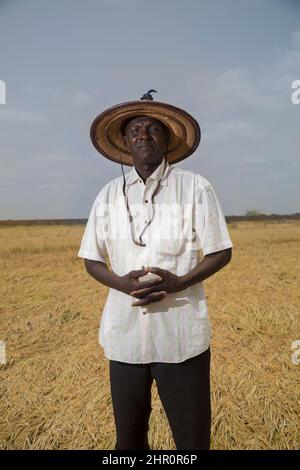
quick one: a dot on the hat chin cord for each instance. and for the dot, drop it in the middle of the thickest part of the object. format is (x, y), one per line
(140, 243)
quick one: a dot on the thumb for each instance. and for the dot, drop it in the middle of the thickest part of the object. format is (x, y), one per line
(138, 272)
(155, 270)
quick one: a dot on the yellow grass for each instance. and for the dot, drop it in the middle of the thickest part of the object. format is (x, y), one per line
(55, 391)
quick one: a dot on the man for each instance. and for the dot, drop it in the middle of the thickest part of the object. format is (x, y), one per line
(151, 226)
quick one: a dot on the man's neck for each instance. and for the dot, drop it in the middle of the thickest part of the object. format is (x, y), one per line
(145, 171)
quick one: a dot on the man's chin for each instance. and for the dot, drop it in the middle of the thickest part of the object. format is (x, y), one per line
(150, 151)
(147, 158)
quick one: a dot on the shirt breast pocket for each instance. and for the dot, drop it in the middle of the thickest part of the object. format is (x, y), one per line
(170, 239)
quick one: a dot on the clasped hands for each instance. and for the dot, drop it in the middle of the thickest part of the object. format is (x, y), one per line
(152, 290)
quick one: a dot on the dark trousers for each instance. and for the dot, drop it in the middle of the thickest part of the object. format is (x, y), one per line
(184, 390)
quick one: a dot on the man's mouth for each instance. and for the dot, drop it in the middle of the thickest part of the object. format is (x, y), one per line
(141, 146)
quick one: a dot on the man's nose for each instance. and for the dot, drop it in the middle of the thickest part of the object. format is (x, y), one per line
(144, 133)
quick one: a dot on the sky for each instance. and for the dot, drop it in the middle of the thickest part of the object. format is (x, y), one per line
(229, 63)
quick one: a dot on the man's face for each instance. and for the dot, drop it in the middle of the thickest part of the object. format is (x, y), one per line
(146, 140)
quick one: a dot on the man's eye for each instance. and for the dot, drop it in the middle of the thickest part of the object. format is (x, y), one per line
(152, 128)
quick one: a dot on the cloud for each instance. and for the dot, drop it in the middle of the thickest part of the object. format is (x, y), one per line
(262, 88)
(29, 89)
(20, 117)
(80, 99)
(77, 99)
(254, 160)
(232, 129)
(295, 40)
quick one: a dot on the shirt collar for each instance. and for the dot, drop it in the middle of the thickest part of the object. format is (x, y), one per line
(133, 176)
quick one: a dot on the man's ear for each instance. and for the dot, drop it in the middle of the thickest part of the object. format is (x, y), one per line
(124, 138)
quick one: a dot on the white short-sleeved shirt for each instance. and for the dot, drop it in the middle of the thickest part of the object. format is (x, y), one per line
(187, 219)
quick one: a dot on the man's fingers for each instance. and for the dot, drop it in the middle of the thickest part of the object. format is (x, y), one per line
(153, 297)
(157, 294)
(147, 287)
(141, 292)
(149, 283)
(155, 270)
(136, 273)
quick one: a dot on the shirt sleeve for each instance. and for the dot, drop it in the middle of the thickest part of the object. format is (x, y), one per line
(93, 242)
(214, 235)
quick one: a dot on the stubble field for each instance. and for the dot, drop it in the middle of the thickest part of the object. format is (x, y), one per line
(54, 388)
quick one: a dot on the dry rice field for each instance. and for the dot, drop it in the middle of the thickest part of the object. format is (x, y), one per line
(55, 385)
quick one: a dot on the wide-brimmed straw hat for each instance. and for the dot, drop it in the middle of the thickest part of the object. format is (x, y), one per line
(106, 129)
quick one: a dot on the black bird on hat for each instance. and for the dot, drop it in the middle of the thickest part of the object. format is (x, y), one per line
(147, 96)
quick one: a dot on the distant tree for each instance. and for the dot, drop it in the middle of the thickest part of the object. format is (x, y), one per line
(253, 212)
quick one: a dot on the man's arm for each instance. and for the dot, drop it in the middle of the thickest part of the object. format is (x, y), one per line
(157, 289)
(210, 264)
(101, 272)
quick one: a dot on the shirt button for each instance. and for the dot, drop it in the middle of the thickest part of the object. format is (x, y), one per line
(144, 312)
(146, 200)
(140, 181)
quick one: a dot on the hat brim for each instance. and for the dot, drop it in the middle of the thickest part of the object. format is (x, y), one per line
(184, 130)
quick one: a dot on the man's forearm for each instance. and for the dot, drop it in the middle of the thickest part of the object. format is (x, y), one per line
(101, 272)
(206, 268)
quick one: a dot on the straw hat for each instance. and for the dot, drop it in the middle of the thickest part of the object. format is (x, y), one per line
(106, 129)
